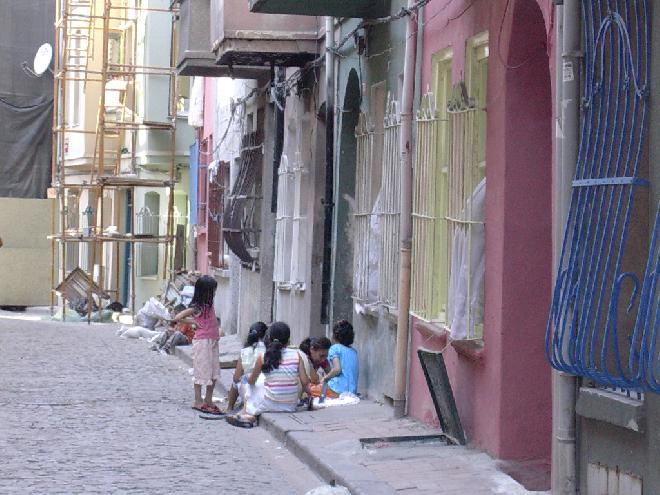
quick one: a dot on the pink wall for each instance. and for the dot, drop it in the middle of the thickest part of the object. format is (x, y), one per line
(502, 390)
(206, 132)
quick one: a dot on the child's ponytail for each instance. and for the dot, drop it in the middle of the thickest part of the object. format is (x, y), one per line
(256, 333)
(277, 339)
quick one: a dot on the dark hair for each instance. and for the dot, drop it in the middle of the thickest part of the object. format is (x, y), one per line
(343, 333)
(277, 339)
(202, 299)
(316, 343)
(256, 333)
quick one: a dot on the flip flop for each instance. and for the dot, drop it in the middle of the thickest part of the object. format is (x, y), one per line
(199, 408)
(212, 409)
(241, 423)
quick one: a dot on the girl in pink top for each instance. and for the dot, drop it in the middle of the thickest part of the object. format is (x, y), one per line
(205, 352)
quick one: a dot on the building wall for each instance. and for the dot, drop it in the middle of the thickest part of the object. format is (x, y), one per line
(304, 137)
(502, 389)
(375, 331)
(602, 438)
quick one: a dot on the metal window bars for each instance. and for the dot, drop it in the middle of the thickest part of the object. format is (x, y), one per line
(390, 208)
(425, 222)
(465, 218)
(363, 286)
(300, 242)
(604, 320)
(284, 223)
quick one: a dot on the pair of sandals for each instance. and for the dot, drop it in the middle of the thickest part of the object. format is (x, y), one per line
(209, 409)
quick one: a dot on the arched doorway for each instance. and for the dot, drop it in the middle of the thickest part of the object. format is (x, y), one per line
(342, 287)
(519, 227)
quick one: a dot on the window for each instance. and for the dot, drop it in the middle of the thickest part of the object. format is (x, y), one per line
(148, 224)
(291, 228)
(241, 226)
(370, 155)
(430, 176)
(72, 228)
(183, 98)
(218, 184)
(390, 207)
(449, 196)
(603, 322)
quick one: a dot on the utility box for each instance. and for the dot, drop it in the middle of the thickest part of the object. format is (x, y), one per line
(335, 8)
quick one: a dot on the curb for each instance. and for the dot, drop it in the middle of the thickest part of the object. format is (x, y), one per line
(301, 443)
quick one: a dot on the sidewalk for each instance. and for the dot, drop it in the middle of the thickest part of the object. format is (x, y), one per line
(353, 446)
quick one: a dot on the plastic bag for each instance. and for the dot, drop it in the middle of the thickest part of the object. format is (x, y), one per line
(150, 313)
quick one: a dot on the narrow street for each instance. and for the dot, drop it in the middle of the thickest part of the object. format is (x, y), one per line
(84, 411)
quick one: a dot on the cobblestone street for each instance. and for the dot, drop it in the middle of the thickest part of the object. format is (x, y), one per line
(83, 411)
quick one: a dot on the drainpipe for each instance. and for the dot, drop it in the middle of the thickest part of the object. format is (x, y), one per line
(328, 202)
(279, 95)
(405, 219)
(564, 393)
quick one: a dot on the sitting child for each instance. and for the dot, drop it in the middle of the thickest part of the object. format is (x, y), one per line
(282, 371)
(343, 377)
(180, 333)
(314, 353)
(254, 347)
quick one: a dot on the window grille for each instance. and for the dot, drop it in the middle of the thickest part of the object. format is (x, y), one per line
(390, 207)
(72, 225)
(284, 222)
(290, 232)
(300, 241)
(598, 292)
(218, 176)
(147, 224)
(465, 215)
(365, 288)
(425, 223)
(448, 204)
(241, 218)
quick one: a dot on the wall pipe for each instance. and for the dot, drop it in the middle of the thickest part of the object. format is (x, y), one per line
(405, 219)
(328, 202)
(279, 95)
(564, 393)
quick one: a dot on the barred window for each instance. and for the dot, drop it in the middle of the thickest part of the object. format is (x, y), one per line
(449, 197)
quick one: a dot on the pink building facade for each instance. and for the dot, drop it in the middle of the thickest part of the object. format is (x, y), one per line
(205, 137)
(502, 382)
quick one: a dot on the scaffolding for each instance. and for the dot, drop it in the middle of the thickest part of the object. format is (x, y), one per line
(100, 119)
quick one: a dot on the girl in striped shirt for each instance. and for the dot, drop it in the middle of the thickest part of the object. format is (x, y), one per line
(283, 370)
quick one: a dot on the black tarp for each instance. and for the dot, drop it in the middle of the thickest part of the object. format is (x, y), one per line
(26, 102)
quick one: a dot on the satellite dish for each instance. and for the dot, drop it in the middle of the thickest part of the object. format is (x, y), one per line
(42, 59)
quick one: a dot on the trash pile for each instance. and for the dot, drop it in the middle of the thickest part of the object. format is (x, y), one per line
(86, 301)
(153, 322)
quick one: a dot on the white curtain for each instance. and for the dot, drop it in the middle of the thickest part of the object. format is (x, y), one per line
(196, 110)
(467, 264)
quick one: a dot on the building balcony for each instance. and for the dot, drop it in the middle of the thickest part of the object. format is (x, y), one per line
(244, 38)
(219, 38)
(334, 8)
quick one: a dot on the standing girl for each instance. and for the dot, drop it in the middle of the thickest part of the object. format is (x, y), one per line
(205, 352)
(283, 370)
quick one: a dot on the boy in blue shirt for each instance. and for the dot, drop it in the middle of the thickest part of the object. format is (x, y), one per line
(343, 376)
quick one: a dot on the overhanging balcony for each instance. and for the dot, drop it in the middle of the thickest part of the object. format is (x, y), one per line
(195, 54)
(243, 38)
(335, 8)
